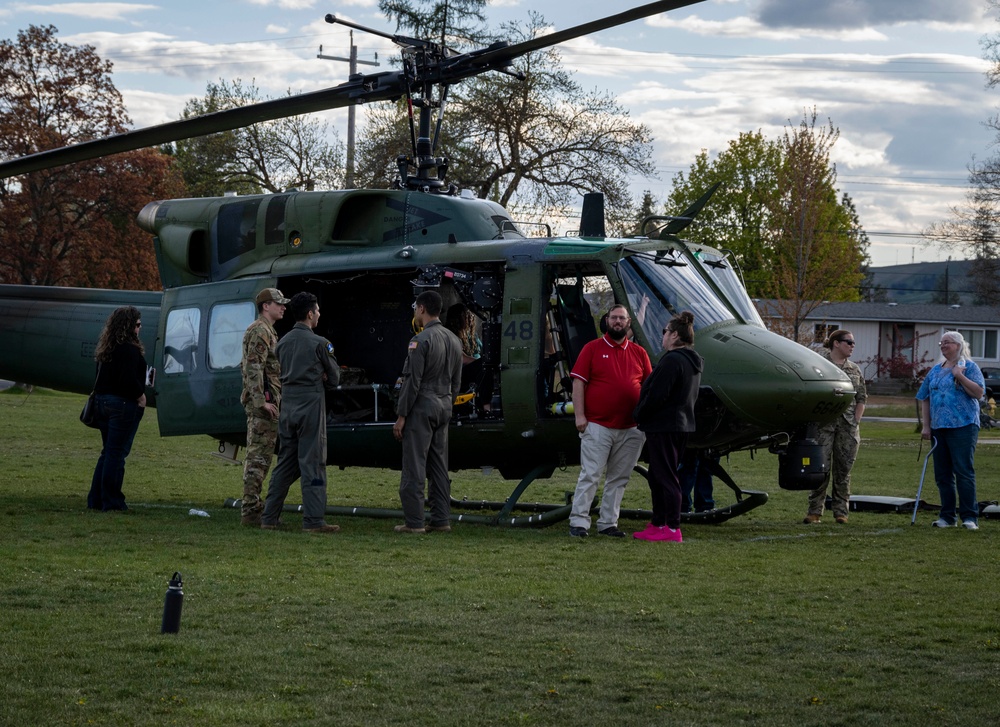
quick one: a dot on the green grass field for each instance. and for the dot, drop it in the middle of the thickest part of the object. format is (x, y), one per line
(759, 621)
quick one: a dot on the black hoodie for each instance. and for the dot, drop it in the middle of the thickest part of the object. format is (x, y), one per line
(666, 401)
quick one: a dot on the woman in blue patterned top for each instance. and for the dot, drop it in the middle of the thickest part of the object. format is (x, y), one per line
(949, 410)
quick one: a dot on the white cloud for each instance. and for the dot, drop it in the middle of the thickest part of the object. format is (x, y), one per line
(148, 108)
(275, 67)
(275, 29)
(285, 4)
(94, 11)
(744, 27)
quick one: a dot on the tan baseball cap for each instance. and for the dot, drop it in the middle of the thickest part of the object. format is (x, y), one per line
(269, 295)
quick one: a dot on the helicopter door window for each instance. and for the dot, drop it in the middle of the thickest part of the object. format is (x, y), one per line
(670, 290)
(180, 342)
(226, 324)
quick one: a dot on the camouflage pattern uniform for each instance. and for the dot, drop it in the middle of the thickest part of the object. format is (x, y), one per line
(840, 439)
(260, 364)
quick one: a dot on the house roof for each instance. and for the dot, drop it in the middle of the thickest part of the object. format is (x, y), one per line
(901, 312)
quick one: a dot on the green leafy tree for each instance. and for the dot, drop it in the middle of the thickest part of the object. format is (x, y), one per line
(816, 252)
(648, 207)
(73, 225)
(778, 211)
(737, 217)
(271, 156)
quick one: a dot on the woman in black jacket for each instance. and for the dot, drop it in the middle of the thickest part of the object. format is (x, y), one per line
(121, 400)
(666, 414)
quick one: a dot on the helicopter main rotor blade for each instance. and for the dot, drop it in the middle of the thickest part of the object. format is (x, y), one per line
(376, 87)
(495, 57)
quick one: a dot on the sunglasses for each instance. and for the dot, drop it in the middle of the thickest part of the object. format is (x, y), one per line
(848, 341)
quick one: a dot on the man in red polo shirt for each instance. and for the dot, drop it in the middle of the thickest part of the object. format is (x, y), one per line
(607, 377)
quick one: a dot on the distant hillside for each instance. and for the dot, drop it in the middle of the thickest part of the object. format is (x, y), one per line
(920, 282)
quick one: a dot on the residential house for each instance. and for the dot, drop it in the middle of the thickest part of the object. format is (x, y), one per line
(897, 341)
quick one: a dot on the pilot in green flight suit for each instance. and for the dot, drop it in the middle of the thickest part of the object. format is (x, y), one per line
(432, 377)
(307, 368)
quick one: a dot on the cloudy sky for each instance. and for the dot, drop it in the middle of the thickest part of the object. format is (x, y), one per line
(902, 79)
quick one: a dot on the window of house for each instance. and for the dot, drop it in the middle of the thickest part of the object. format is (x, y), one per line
(982, 343)
(822, 331)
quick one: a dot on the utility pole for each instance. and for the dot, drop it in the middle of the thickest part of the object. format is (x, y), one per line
(353, 61)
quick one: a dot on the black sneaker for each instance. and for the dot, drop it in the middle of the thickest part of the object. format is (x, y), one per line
(578, 532)
(612, 532)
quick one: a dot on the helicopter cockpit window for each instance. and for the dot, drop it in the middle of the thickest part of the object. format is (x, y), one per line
(726, 277)
(660, 290)
(180, 342)
(226, 324)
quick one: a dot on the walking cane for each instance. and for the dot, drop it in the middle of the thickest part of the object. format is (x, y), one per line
(916, 504)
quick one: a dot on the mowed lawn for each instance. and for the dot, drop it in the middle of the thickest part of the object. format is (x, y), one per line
(761, 620)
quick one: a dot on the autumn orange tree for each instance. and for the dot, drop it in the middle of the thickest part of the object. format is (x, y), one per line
(817, 249)
(74, 225)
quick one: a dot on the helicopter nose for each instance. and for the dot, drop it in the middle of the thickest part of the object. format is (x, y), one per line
(772, 381)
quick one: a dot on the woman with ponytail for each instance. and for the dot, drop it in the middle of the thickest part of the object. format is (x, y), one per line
(666, 414)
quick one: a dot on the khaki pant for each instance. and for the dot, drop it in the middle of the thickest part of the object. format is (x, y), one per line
(616, 450)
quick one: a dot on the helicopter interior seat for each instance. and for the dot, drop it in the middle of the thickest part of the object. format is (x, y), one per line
(578, 327)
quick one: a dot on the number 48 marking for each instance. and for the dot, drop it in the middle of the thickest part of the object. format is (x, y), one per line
(523, 331)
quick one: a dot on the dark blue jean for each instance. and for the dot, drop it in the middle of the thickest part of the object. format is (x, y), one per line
(696, 484)
(119, 421)
(954, 470)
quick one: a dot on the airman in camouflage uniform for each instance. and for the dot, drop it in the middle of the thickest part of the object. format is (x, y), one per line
(840, 438)
(261, 398)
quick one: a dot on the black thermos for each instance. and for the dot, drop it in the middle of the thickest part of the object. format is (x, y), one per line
(172, 606)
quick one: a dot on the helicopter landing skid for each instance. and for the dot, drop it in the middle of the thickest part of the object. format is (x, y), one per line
(746, 500)
(542, 514)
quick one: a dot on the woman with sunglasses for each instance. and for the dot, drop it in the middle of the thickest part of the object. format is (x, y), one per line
(949, 412)
(840, 438)
(665, 413)
(121, 400)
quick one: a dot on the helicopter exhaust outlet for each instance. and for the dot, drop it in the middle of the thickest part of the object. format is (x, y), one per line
(592, 215)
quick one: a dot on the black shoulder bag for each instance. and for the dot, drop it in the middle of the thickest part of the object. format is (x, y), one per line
(90, 414)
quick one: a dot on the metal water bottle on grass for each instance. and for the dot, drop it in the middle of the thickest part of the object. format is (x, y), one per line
(172, 606)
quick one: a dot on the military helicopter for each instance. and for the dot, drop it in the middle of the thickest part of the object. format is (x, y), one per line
(366, 253)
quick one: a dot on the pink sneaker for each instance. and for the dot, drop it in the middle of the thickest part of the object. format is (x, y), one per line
(665, 533)
(644, 534)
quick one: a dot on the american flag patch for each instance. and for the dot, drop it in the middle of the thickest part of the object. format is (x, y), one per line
(413, 345)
